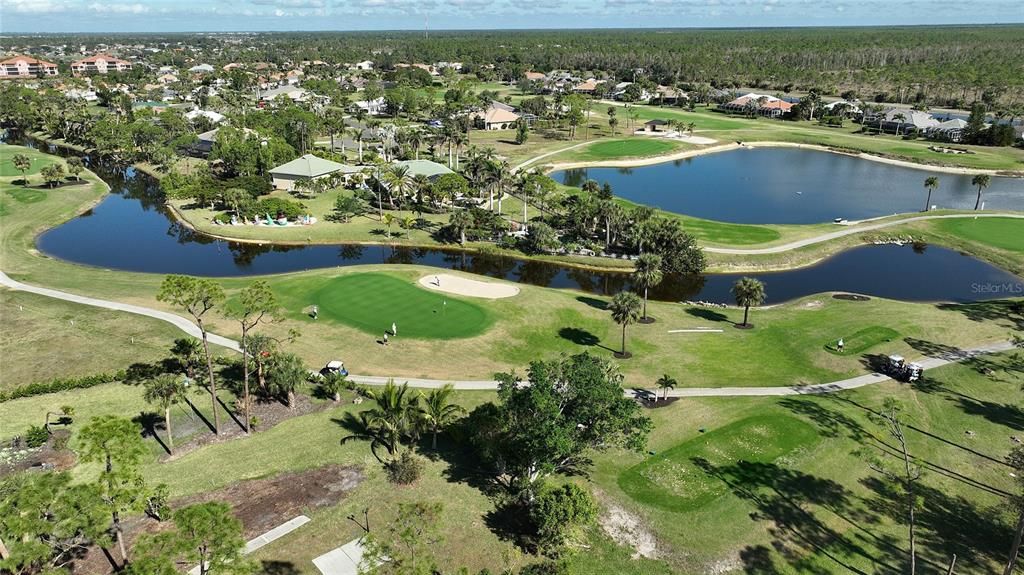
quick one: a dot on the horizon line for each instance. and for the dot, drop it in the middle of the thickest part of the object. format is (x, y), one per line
(513, 29)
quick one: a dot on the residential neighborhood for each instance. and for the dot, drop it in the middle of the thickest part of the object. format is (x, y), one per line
(292, 287)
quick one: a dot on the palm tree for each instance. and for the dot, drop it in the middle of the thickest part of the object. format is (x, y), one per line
(363, 427)
(23, 164)
(460, 221)
(438, 411)
(931, 183)
(647, 275)
(748, 292)
(982, 181)
(333, 382)
(415, 139)
(357, 135)
(395, 414)
(625, 308)
(388, 220)
(407, 223)
(165, 390)
(665, 383)
(900, 118)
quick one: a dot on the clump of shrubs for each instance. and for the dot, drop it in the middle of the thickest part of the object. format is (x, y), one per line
(406, 469)
(36, 436)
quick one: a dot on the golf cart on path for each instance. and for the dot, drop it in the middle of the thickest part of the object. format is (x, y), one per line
(898, 369)
(335, 366)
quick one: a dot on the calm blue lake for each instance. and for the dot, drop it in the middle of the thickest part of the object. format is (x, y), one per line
(791, 186)
(131, 230)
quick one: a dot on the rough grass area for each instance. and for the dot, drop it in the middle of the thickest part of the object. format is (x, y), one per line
(44, 338)
(1002, 233)
(371, 302)
(675, 480)
(862, 340)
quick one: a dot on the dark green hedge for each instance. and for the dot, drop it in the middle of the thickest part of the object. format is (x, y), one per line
(62, 384)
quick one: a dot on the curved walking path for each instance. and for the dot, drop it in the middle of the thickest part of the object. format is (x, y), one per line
(820, 388)
(851, 230)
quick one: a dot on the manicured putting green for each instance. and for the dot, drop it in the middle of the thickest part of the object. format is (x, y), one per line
(635, 148)
(371, 302)
(862, 340)
(1003, 233)
(673, 481)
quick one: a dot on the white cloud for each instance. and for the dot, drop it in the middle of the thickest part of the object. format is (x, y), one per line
(136, 8)
(34, 6)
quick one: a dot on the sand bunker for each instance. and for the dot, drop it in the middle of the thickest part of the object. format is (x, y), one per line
(464, 286)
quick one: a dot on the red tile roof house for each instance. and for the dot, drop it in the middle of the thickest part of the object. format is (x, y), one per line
(26, 67)
(100, 64)
(768, 106)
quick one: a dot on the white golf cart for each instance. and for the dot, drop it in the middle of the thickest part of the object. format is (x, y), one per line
(899, 369)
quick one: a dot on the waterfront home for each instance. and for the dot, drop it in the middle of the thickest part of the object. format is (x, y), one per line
(951, 130)
(307, 167)
(26, 67)
(900, 121)
(100, 64)
(759, 104)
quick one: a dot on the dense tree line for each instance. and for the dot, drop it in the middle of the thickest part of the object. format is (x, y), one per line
(945, 63)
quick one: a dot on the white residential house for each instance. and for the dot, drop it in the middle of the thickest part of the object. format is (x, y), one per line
(212, 116)
(86, 95)
(201, 69)
(364, 65)
(373, 107)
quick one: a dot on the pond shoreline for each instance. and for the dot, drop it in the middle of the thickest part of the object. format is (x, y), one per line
(655, 160)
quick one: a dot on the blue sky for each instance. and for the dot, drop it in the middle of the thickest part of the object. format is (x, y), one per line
(232, 15)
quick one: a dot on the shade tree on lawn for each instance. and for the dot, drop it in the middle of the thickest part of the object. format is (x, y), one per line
(572, 407)
(647, 275)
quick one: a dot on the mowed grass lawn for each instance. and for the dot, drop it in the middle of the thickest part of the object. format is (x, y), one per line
(784, 485)
(623, 149)
(7, 153)
(372, 302)
(1002, 233)
(674, 480)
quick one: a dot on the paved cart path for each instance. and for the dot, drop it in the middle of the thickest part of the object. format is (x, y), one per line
(190, 328)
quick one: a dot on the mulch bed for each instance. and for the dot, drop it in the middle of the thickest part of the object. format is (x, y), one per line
(46, 458)
(260, 504)
(850, 297)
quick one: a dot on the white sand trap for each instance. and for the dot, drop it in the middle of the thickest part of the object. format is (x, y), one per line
(464, 286)
(699, 140)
